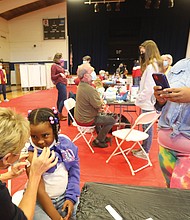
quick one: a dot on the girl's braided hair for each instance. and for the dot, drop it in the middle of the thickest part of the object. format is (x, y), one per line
(42, 115)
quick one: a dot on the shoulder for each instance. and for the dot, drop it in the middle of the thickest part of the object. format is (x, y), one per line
(66, 143)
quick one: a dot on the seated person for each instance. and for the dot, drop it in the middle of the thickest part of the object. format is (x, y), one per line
(88, 106)
(102, 74)
(99, 87)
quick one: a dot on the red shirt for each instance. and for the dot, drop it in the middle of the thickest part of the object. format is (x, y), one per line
(56, 69)
(2, 77)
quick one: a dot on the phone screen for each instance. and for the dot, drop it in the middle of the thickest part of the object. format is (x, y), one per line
(161, 80)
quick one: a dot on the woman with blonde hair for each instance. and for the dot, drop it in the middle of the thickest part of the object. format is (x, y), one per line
(14, 133)
(150, 62)
(167, 62)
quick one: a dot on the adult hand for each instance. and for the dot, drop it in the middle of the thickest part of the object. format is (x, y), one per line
(44, 162)
(158, 92)
(181, 95)
(70, 206)
(18, 168)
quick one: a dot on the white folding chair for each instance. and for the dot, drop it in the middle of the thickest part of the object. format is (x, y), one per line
(136, 136)
(83, 130)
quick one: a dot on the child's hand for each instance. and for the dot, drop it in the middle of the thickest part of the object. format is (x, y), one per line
(70, 206)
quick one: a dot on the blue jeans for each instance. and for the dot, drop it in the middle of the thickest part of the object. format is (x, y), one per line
(62, 96)
(103, 123)
(136, 81)
(148, 142)
(39, 214)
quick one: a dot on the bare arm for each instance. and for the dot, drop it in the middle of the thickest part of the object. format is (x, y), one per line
(46, 202)
(43, 197)
(38, 166)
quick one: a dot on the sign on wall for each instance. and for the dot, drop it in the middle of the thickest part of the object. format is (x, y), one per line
(54, 28)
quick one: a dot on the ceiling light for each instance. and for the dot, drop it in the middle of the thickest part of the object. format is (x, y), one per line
(102, 1)
(148, 3)
(171, 4)
(96, 8)
(157, 4)
(108, 7)
(117, 6)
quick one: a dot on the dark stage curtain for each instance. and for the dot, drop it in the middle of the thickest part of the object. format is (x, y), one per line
(88, 35)
(100, 34)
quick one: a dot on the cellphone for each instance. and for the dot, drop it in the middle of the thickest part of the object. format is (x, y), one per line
(161, 80)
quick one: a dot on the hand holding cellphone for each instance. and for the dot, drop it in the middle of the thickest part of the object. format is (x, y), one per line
(161, 80)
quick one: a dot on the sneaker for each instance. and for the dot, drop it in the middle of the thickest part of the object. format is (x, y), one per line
(6, 100)
(140, 154)
(135, 150)
(97, 143)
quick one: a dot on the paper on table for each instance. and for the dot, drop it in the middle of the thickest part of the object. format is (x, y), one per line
(113, 213)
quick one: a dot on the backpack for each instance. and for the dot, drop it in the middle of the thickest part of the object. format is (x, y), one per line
(124, 124)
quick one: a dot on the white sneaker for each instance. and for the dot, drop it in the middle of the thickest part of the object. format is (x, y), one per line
(140, 154)
(6, 100)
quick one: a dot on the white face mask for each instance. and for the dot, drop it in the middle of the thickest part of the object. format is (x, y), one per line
(85, 61)
(165, 63)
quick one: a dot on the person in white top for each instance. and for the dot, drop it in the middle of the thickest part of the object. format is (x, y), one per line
(151, 62)
(87, 59)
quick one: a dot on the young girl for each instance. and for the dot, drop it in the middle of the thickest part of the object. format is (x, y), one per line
(59, 190)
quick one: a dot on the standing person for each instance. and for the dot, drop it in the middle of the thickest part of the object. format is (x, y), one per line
(122, 70)
(3, 81)
(173, 126)
(59, 78)
(14, 133)
(167, 62)
(151, 62)
(136, 73)
(87, 59)
(59, 188)
(88, 106)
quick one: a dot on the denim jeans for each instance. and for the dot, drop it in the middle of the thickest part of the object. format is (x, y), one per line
(62, 96)
(103, 123)
(136, 81)
(148, 142)
(58, 204)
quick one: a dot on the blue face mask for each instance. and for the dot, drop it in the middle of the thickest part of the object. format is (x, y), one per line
(165, 63)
